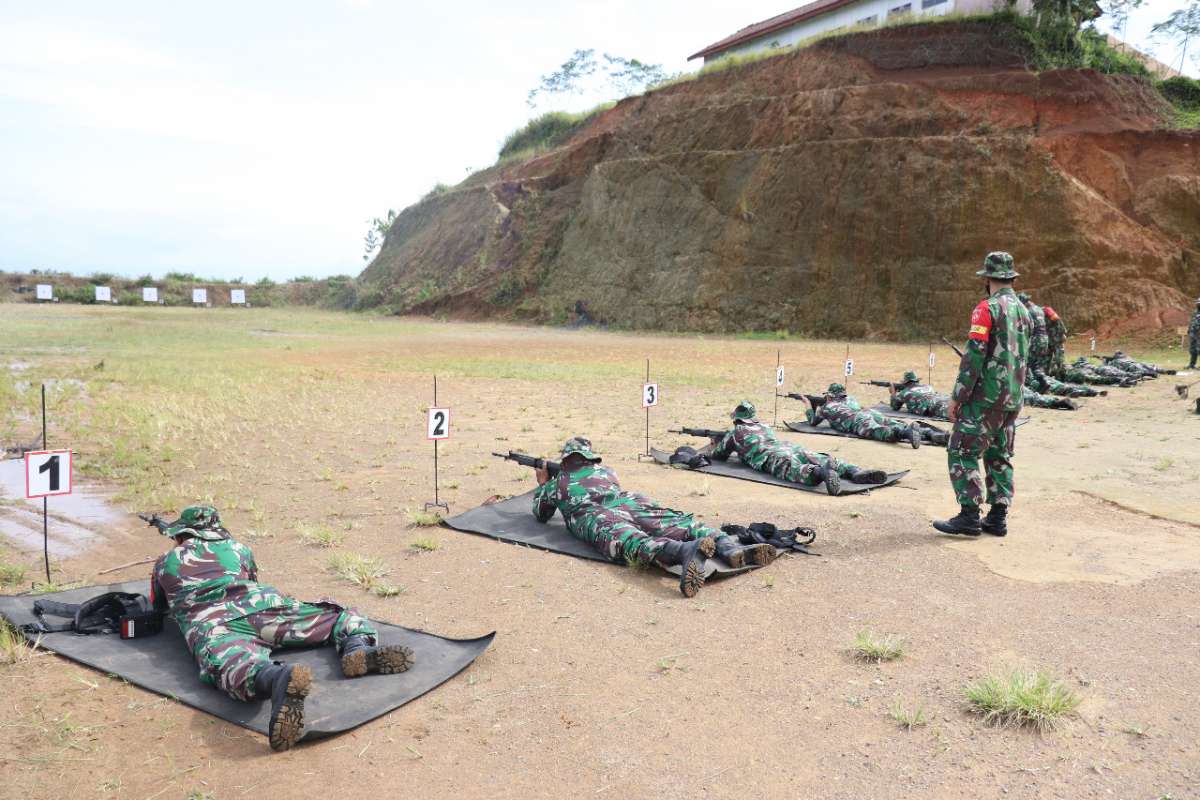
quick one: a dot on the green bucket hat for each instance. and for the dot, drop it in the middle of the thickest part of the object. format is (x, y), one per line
(202, 522)
(1023, 297)
(998, 265)
(836, 389)
(745, 412)
(911, 377)
(582, 446)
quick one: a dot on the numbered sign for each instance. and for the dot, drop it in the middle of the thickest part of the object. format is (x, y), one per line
(932, 360)
(439, 423)
(649, 395)
(45, 291)
(47, 473)
(849, 367)
(237, 297)
(103, 294)
(200, 296)
(149, 294)
(1093, 344)
(778, 377)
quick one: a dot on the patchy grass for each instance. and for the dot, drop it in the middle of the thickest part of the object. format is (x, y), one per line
(425, 544)
(874, 649)
(420, 518)
(907, 718)
(1022, 698)
(14, 649)
(388, 590)
(10, 574)
(363, 571)
(319, 536)
(546, 132)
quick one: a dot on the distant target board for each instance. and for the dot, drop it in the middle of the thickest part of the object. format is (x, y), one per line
(45, 291)
(200, 296)
(237, 297)
(149, 294)
(103, 294)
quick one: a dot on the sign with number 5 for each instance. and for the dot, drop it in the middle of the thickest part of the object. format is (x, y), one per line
(47, 473)
(439, 423)
(649, 395)
(849, 367)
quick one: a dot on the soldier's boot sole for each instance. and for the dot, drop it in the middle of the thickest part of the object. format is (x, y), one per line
(995, 528)
(735, 558)
(692, 579)
(708, 546)
(761, 554)
(386, 660)
(287, 719)
(875, 476)
(833, 482)
(914, 436)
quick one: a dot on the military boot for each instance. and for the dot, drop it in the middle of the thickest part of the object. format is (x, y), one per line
(829, 477)
(360, 657)
(966, 523)
(914, 435)
(737, 555)
(858, 475)
(690, 557)
(286, 685)
(996, 521)
(940, 438)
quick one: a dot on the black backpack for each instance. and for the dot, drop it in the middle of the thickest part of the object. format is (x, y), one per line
(126, 613)
(689, 457)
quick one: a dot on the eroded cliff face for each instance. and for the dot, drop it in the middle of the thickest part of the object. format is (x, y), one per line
(849, 190)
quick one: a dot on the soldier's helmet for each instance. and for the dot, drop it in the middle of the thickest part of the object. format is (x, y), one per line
(745, 412)
(202, 522)
(1081, 361)
(582, 446)
(836, 390)
(1118, 353)
(998, 265)
(1023, 297)
(911, 377)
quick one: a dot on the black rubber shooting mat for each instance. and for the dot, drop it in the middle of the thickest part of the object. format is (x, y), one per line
(164, 665)
(736, 469)
(512, 521)
(825, 430)
(886, 410)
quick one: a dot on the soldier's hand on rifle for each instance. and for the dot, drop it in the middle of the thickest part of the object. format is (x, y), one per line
(542, 474)
(952, 412)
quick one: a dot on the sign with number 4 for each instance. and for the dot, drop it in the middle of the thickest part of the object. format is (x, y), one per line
(849, 367)
(649, 395)
(932, 360)
(778, 377)
(47, 473)
(439, 423)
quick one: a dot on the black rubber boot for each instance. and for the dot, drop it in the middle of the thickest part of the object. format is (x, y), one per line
(829, 477)
(737, 555)
(914, 435)
(286, 685)
(689, 556)
(996, 521)
(360, 657)
(966, 523)
(940, 438)
(875, 476)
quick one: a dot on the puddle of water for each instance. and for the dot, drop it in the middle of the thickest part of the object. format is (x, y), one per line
(77, 520)
(51, 383)
(17, 366)
(23, 528)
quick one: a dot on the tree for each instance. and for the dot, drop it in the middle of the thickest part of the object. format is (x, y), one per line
(377, 234)
(566, 79)
(618, 76)
(1119, 11)
(1060, 21)
(1181, 27)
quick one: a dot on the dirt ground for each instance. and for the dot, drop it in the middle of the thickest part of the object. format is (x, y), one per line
(604, 681)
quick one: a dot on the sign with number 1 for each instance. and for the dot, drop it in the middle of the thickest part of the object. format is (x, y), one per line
(47, 473)
(849, 367)
(439, 423)
(649, 395)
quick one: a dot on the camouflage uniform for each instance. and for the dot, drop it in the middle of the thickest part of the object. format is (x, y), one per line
(1043, 382)
(1035, 400)
(230, 621)
(846, 415)
(989, 391)
(758, 448)
(1194, 337)
(625, 527)
(1082, 372)
(919, 398)
(1131, 366)
(1056, 333)
(1039, 341)
(1103, 371)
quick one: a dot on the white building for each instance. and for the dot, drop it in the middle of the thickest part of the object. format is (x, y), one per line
(823, 16)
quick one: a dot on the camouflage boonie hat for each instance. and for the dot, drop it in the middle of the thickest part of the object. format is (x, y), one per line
(582, 446)
(911, 377)
(836, 389)
(203, 522)
(1023, 297)
(998, 265)
(745, 412)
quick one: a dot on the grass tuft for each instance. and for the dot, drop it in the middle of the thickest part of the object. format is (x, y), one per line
(426, 544)
(423, 519)
(906, 718)
(319, 536)
(14, 648)
(873, 649)
(1022, 698)
(388, 590)
(363, 571)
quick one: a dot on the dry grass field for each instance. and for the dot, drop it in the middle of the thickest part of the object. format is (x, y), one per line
(888, 667)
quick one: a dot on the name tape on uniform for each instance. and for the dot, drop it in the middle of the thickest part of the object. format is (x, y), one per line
(649, 395)
(438, 424)
(47, 473)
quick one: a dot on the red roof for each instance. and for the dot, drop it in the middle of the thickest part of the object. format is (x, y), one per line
(773, 24)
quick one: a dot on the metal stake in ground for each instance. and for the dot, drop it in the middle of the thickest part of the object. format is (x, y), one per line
(45, 500)
(932, 361)
(778, 385)
(437, 428)
(649, 400)
(47, 472)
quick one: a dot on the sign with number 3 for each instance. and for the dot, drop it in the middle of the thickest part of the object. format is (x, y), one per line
(439, 423)
(649, 395)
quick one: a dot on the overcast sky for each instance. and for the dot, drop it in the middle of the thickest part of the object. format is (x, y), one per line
(256, 139)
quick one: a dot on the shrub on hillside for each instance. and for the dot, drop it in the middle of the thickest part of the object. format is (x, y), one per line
(1182, 91)
(547, 131)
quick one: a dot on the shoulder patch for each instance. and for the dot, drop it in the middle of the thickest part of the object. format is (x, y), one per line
(981, 322)
(1050, 313)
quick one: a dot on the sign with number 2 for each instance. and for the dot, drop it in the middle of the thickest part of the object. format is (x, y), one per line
(439, 423)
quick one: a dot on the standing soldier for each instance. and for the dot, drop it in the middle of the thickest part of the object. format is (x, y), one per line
(1194, 336)
(986, 401)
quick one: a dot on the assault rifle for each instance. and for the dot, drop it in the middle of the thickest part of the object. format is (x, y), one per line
(889, 385)
(552, 467)
(154, 520)
(705, 432)
(953, 347)
(815, 400)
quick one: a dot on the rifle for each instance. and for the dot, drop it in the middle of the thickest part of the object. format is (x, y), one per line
(552, 467)
(957, 352)
(891, 387)
(154, 520)
(815, 400)
(705, 432)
